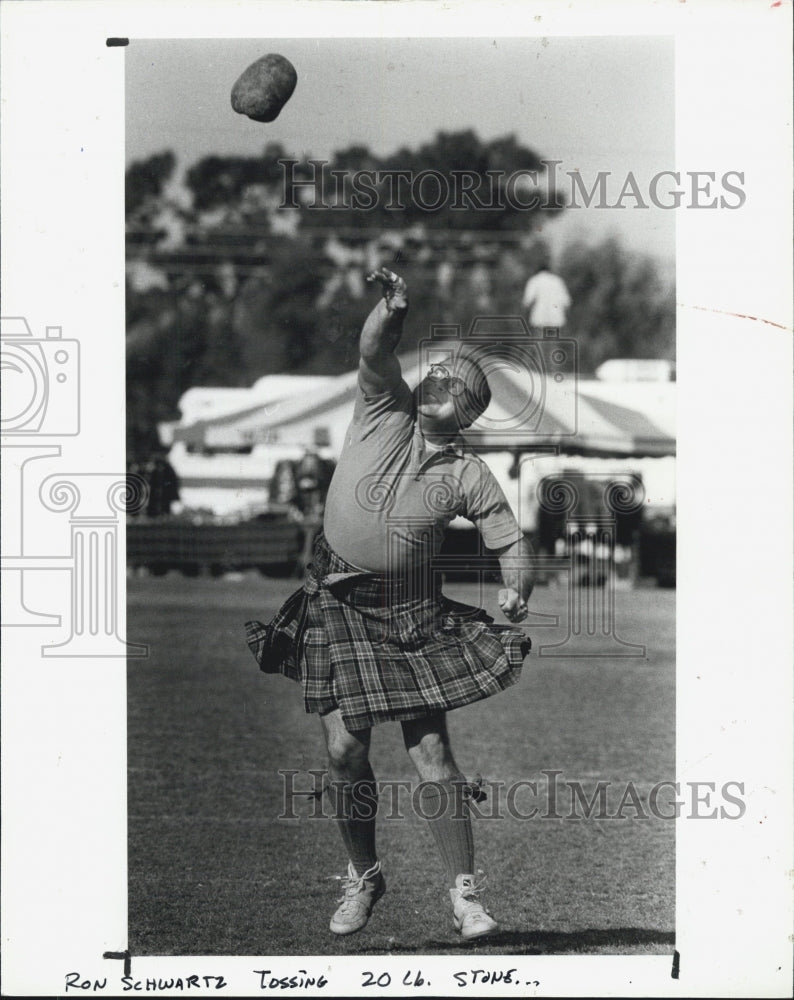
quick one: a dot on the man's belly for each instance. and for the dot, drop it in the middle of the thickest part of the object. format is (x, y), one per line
(389, 547)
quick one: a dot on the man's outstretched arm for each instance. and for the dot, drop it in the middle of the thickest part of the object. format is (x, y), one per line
(379, 369)
(515, 562)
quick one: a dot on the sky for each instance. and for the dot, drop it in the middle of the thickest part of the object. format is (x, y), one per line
(595, 103)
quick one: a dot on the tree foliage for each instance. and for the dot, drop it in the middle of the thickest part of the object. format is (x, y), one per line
(145, 180)
(232, 286)
(221, 180)
(620, 306)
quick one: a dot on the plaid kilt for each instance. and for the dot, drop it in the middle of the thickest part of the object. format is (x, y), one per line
(362, 643)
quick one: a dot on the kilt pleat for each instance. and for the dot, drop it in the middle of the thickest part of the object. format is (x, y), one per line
(365, 644)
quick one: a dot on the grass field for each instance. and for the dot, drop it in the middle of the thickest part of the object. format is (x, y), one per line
(213, 871)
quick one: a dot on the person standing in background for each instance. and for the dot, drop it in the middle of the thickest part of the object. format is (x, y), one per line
(547, 300)
(163, 485)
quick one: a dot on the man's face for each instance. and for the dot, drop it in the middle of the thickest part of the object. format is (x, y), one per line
(442, 400)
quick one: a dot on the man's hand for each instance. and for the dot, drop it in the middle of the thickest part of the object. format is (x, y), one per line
(395, 290)
(518, 577)
(513, 608)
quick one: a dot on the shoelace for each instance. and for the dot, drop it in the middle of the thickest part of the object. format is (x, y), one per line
(352, 884)
(473, 790)
(473, 891)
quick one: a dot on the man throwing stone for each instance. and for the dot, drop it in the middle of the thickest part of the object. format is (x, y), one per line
(370, 636)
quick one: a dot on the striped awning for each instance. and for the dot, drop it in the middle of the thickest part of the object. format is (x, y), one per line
(577, 416)
(530, 409)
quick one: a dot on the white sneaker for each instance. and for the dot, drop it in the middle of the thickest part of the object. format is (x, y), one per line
(470, 916)
(361, 893)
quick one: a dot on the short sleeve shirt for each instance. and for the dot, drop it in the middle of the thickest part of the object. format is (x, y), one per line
(392, 495)
(547, 299)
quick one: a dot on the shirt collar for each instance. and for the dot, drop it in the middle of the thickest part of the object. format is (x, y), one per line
(454, 447)
(424, 452)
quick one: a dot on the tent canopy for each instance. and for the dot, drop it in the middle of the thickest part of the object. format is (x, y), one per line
(578, 416)
(530, 409)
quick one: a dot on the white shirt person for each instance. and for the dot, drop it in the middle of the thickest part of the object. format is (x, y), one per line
(547, 299)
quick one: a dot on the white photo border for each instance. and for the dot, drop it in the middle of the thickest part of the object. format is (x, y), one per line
(64, 900)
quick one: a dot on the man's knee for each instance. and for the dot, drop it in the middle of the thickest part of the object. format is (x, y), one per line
(346, 751)
(428, 744)
(434, 761)
(346, 754)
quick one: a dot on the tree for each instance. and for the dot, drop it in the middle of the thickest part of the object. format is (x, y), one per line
(275, 315)
(145, 179)
(620, 307)
(244, 295)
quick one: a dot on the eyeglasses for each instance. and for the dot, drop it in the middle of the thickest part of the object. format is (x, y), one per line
(440, 373)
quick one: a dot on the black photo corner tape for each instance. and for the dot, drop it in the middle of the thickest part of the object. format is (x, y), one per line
(122, 955)
(116, 42)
